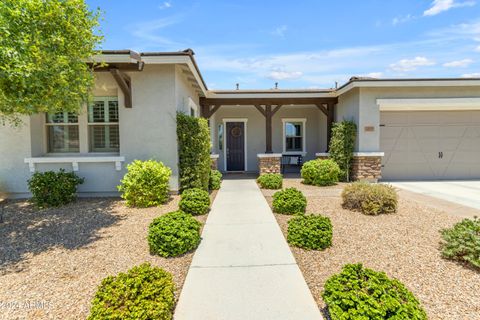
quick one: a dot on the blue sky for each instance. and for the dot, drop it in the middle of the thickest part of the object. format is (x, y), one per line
(303, 44)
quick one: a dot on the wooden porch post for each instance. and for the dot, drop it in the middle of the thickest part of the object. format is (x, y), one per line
(330, 117)
(268, 129)
(268, 113)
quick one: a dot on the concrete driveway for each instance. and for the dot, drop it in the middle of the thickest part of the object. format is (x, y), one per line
(462, 192)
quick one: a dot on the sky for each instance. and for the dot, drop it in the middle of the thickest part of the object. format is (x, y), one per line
(306, 44)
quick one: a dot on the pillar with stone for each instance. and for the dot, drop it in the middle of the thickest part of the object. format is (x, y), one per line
(269, 162)
(366, 166)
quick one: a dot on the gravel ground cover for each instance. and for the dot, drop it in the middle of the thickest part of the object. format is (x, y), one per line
(52, 261)
(404, 245)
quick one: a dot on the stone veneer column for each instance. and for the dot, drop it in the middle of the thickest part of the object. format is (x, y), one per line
(269, 163)
(365, 165)
(214, 161)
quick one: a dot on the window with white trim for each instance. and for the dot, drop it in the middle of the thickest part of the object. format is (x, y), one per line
(63, 133)
(294, 135)
(103, 128)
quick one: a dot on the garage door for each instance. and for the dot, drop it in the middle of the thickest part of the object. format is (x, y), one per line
(430, 144)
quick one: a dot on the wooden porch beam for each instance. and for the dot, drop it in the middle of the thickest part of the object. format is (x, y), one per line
(125, 84)
(214, 109)
(260, 109)
(276, 109)
(275, 101)
(323, 109)
(207, 111)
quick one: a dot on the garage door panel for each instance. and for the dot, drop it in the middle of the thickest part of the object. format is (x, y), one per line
(414, 140)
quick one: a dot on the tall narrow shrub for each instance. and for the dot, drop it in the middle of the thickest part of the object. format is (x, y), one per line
(342, 145)
(193, 137)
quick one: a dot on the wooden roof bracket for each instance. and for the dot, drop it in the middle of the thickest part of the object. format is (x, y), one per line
(125, 84)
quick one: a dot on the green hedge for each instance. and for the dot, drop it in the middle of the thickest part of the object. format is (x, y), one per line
(143, 293)
(53, 189)
(462, 242)
(289, 201)
(173, 234)
(310, 232)
(193, 137)
(195, 201)
(361, 293)
(270, 181)
(370, 198)
(145, 184)
(342, 145)
(320, 172)
(215, 180)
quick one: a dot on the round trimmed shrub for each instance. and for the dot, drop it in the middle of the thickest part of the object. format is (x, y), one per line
(195, 201)
(144, 292)
(310, 232)
(289, 201)
(53, 189)
(320, 172)
(145, 184)
(361, 293)
(173, 234)
(462, 242)
(370, 198)
(215, 180)
(270, 181)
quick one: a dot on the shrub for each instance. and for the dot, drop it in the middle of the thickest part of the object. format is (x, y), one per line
(215, 180)
(320, 172)
(270, 181)
(310, 232)
(342, 145)
(289, 201)
(195, 201)
(194, 163)
(53, 189)
(361, 293)
(173, 234)
(144, 292)
(370, 198)
(146, 183)
(462, 242)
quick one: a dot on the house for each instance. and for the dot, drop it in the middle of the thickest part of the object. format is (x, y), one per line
(407, 128)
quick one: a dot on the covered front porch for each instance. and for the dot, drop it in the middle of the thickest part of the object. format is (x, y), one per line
(253, 131)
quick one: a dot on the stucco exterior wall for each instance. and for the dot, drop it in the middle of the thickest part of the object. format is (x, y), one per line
(185, 94)
(369, 114)
(147, 131)
(347, 108)
(316, 131)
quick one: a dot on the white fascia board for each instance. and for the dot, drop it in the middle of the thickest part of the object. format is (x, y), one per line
(113, 58)
(409, 83)
(439, 104)
(177, 60)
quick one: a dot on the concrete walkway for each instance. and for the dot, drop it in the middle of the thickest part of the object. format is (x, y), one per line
(243, 268)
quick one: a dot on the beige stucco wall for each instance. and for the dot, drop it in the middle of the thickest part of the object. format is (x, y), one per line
(369, 114)
(316, 140)
(347, 108)
(185, 94)
(148, 130)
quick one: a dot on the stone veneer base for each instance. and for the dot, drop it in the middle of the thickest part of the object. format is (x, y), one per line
(365, 166)
(269, 163)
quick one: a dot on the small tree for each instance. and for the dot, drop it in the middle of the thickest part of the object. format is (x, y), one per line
(194, 145)
(44, 46)
(342, 145)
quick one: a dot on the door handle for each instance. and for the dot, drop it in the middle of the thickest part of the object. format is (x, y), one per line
(440, 155)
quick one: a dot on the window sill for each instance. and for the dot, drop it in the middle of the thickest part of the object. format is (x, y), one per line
(75, 160)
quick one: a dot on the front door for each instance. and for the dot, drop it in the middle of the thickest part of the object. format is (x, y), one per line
(235, 146)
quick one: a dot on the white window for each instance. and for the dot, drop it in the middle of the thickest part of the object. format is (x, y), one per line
(294, 135)
(103, 129)
(63, 133)
(93, 131)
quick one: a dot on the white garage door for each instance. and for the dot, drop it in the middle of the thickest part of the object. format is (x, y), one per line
(430, 144)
